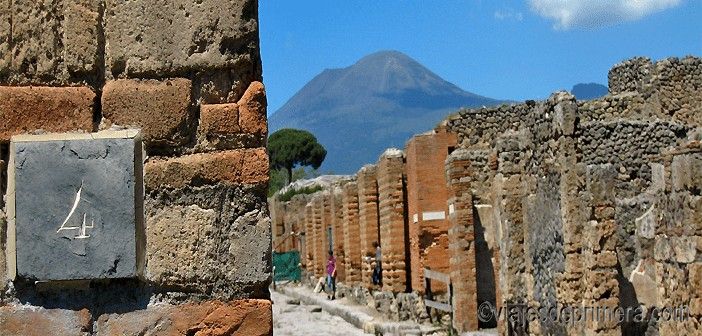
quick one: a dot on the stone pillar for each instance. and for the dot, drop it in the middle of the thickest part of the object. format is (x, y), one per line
(86, 66)
(462, 242)
(337, 218)
(427, 193)
(393, 222)
(509, 196)
(368, 219)
(599, 251)
(352, 234)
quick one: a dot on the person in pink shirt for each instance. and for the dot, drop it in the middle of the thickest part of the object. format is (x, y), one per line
(331, 276)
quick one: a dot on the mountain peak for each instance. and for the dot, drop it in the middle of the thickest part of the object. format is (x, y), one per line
(378, 102)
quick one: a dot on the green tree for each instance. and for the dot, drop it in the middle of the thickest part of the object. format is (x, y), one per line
(289, 148)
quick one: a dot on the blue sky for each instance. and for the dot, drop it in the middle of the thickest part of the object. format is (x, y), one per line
(497, 48)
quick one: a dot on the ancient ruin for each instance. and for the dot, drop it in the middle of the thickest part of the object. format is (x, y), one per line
(555, 203)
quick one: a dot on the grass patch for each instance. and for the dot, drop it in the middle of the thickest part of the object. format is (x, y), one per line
(288, 195)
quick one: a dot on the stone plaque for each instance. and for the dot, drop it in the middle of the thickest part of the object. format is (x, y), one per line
(77, 205)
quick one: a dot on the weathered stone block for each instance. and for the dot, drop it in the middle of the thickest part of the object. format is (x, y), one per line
(22, 321)
(209, 239)
(662, 250)
(51, 109)
(696, 278)
(239, 166)
(685, 249)
(146, 38)
(686, 172)
(600, 183)
(5, 47)
(242, 317)
(76, 204)
(54, 43)
(646, 224)
(162, 109)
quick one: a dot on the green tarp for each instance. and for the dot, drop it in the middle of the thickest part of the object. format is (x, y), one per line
(287, 266)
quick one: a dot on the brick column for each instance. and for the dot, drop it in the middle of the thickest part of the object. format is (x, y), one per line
(352, 234)
(310, 238)
(337, 218)
(393, 222)
(319, 254)
(462, 242)
(426, 202)
(368, 219)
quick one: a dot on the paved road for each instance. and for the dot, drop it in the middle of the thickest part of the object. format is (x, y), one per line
(299, 320)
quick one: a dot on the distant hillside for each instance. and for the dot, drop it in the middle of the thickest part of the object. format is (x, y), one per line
(588, 91)
(379, 102)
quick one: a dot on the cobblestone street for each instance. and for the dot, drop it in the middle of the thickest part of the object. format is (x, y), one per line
(291, 318)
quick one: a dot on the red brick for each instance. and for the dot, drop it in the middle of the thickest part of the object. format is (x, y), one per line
(161, 108)
(16, 321)
(219, 119)
(252, 110)
(241, 317)
(239, 166)
(52, 109)
(427, 192)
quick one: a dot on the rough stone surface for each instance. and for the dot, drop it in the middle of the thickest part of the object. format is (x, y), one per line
(22, 321)
(53, 43)
(211, 318)
(161, 108)
(81, 221)
(211, 240)
(239, 166)
(51, 109)
(215, 40)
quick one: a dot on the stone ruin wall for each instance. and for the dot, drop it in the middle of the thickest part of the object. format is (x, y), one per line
(582, 196)
(577, 203)
(188, 74)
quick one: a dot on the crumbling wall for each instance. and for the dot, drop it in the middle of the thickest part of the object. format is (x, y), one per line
(188, 75)
(393, 222)
(574, 185)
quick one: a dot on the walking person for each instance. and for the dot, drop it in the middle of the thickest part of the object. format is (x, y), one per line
(378, 270)
(331, 276)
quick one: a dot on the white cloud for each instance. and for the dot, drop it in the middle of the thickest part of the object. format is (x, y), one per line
(597, 13)
(508, 14)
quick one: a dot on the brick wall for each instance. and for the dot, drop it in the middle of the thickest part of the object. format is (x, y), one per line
(337, 224)
(393, 222)
(85, 66)
(462, 261)
(368, 219)
(426, 202)
(352, 234)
